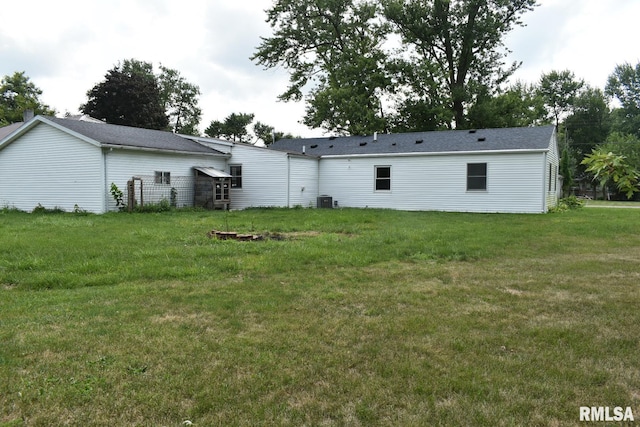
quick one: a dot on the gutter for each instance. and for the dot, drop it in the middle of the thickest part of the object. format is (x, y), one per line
(156, 150)
(443, 153)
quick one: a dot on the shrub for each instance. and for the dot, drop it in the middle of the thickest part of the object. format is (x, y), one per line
(566, 204)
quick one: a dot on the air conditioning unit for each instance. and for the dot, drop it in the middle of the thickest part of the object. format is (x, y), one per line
(325, 202)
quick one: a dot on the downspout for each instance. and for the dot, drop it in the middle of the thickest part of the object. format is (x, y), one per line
(544, 182)
(105, 207)
(288, 180)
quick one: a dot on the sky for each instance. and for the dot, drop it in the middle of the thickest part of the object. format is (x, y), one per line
(67, 46)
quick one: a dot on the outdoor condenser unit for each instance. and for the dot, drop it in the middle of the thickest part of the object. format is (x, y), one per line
(325, 202)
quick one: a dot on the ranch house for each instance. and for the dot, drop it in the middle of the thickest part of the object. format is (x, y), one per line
(74, 164)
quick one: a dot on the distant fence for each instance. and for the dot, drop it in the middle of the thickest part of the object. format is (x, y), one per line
(144, 190)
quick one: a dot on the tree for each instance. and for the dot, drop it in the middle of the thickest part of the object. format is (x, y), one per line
(624, 144)
(333, 47)
(609, 167)
(589, 122)
(457, 45)
(566, 171)
(180, 101)
(234, 127)
(129, 95)
(18, 94)
(520, 105)
(559, 90)
(624, 84)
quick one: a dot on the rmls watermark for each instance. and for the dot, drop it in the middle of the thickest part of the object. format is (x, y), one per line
(606, 413)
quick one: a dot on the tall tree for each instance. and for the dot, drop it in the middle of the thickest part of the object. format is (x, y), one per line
(519, 105)
(458, 45)
(559, 90)
(589, 122)
(624, 84)
(129, 95)
(333, 48)
(18, 94)
(180, 101)
(234, 127)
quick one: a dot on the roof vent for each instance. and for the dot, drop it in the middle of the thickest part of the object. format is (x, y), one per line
(331, 146)
(314, 146)
(482, 139)
(394, 144)
(362, 144)
(419, 141)
(472, 131)
(331, 138)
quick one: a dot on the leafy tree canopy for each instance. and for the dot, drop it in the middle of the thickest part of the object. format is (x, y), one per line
(457, 48)
(610, 167)
(134, 95)
(129, 95)
(624, 85)
(519, 105)
(233, 128)
(559, 90)
(334, 46)
(18, 94)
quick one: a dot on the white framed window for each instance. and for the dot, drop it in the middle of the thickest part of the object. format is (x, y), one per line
(236, 176)
(476, 176)
(382, 178)
(163, 177)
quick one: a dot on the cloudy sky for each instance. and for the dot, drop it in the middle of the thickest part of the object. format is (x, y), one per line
(67, 46)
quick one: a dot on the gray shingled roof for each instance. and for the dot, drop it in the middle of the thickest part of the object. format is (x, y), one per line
(526, 138)
(5, 131)
(125, 136)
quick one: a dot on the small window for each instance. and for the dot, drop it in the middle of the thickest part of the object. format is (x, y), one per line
(383, 178)
(236, 176)
(163, 177)
(476, 176)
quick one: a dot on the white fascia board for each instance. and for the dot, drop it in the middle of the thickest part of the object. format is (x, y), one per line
(39, 119)
(156, 150)
(427, 154)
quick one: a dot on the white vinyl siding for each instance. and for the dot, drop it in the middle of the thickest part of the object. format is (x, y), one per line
(123, 164)
(303, 178)
(552, 174)
(264, 177)
(437, 182)
(49, 167)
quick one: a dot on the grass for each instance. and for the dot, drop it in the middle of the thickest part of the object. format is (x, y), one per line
(357, 317)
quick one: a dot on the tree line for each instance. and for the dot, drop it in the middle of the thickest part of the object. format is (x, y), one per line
(133, 93)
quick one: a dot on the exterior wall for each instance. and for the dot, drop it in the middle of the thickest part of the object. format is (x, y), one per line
(553, 165)
(49, 167)
(264, 177)
(123, 164)
(303, 178)
(437, 182)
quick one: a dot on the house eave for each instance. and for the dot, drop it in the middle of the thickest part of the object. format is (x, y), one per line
(430, 154)
(156, 150)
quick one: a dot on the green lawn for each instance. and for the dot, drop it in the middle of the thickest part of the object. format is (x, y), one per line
(348, 317)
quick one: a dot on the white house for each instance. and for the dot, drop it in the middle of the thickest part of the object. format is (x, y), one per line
(68, 163)
(72, 164)
(485, 170)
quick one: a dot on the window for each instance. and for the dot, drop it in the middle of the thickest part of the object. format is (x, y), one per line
(383, 178)
(236, 176)
(163, 177)
(476, 176)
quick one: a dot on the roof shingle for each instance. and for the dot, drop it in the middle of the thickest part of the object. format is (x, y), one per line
(504, 139)
(125, 136)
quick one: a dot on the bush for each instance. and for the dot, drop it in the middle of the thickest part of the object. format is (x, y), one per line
(566, 204)
(163, 206)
